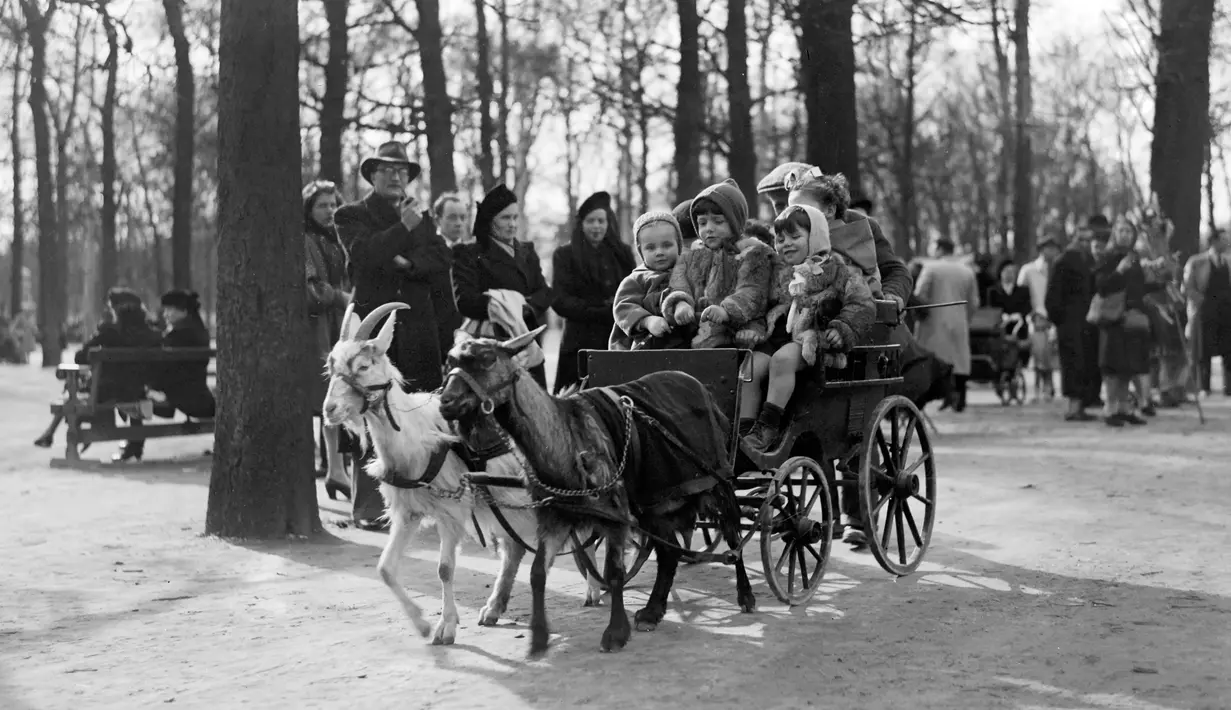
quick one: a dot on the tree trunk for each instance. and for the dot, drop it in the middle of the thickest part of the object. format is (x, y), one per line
(333, 103)
(51, 287)
(181, 201)
(1209, 186)
(690, 105)
(1181, 116)
(1023, 159)
(1004, 122)
(487, 129)
(502, 129)
(827, 73)
(262, 483)
(908, 228)
(107, 257)
(438, 109)
(18, 250)
(742, 163)
(65, 123)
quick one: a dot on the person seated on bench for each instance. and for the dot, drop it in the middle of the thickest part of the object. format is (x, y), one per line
(125, 325)
(183, 385)
(820, 307)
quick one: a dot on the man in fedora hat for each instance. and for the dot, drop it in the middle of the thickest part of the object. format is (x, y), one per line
(394, 254)
(1069, 292)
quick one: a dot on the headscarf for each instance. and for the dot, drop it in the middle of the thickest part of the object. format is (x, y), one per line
(311, 191)
(586, 256)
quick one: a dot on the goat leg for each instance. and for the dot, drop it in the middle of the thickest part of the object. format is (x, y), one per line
(401, 532)
(647, 619)
(549, 545)
(728, 520)
(446, 629)
(511, 554)
(615, 637)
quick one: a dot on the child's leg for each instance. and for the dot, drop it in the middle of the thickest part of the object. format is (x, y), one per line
(782, 368)
(751, 392)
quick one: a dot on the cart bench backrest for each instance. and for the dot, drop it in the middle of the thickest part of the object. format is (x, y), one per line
(718, 370)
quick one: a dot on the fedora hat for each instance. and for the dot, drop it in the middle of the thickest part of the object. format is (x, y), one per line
(390, 153)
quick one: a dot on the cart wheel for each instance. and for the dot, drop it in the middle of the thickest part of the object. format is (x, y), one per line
(637, 550)
(897, 482)
(1019, 387)
(1004, 388)
(796, 526)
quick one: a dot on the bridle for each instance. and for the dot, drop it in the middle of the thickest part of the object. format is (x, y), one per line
(487, 405)
(381, 392)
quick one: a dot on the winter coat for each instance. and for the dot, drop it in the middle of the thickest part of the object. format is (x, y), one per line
(585, 280)
(186, 384)
(373, 234)
(946, 331)
(640, 296)
(480, 267)
(120, 382)
(1070, 288)
(736, 278)
(894, 276)
(325, 268)
(1122, 352)
(854, 240)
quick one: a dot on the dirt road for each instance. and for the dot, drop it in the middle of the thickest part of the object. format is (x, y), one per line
(1072, 567)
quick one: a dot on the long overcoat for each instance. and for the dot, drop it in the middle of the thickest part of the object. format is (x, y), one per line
(373, 234)
(1069, 292)
(946, 331)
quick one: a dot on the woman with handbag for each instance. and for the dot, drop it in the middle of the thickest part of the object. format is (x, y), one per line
(1118, 309)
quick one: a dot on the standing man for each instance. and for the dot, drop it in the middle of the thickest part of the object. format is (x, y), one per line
(453, 229)
(1207, 289)
(1069, 292)
(946, 331)
(394, 254)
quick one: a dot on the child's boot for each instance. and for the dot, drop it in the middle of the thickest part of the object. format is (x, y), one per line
(767, 429)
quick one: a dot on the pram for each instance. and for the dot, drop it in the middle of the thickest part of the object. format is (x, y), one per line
(998, 350)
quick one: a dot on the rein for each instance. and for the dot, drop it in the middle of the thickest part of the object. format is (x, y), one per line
(382, 396)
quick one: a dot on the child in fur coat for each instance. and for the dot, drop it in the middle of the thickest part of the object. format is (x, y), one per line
(722, 283)
(821, 307)
(639, 322)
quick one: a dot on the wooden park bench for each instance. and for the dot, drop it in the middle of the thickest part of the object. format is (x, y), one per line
(81, 402)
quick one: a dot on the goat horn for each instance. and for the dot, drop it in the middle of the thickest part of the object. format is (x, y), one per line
(350, 311)
(368, 323)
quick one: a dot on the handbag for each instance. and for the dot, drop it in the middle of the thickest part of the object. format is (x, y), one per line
(1106, 310)
(1136, 321)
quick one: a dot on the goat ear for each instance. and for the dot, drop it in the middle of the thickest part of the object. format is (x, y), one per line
(384, 338)
(460, 336)
(521, 342)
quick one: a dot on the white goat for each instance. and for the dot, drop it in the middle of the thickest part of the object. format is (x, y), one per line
(406, 430)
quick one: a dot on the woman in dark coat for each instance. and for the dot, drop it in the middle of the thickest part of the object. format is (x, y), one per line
(586, 274)
(185, 385)
(1124, 346)
(328, 296)
(128, 327)
(1014, 303)
(498, 261)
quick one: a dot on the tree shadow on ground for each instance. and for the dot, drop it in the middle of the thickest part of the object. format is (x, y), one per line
(965, 632)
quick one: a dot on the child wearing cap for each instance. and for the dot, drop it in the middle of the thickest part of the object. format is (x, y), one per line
(720, 286)
(639, 322)
(820, 304)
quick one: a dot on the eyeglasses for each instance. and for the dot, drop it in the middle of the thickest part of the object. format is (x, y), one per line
(388, 170)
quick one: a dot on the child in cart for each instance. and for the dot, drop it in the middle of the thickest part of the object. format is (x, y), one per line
(639, 321)
(820, 307)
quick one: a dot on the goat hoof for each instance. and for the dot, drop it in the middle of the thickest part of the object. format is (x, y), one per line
(647, 620)
(749, 606)
(424, 628)
(614, 641)
(646, 626)
(596, 600)
(488, 616)
(537, 650)
(444, 635)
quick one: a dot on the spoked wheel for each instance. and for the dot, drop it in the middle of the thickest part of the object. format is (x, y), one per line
(795, 525)
(1004, 388)
(637, 550)
(1017, 389)
(897, 486)
(707, 541)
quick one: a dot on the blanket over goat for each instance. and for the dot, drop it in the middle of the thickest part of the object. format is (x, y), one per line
(657, 472)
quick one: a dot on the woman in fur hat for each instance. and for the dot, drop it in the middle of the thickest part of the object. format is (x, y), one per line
(497, 273)
(586, 274)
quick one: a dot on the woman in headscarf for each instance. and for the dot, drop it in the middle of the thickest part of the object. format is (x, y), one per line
(184, 385)
(498, 281)
(328, 296)
(586, 273)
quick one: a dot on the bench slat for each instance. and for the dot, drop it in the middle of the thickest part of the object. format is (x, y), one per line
(148, 431)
